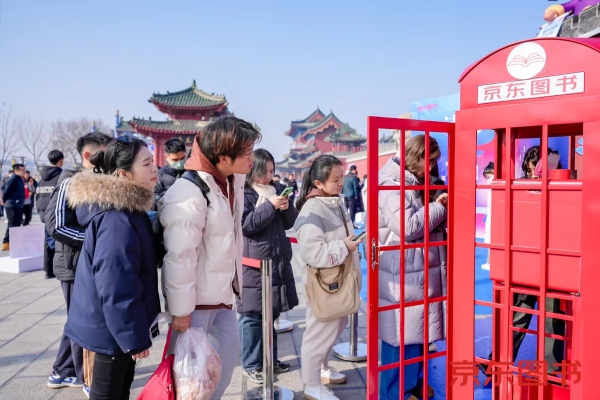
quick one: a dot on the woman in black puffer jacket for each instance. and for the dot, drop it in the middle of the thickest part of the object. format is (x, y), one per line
(266, 218)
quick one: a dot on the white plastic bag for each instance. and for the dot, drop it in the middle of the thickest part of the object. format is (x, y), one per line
(197, 366)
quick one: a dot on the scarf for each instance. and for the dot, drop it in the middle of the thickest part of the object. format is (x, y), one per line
(199, 162)
(265, 192)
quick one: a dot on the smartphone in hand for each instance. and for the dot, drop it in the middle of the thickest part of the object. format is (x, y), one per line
(287, 192)
(359, 236)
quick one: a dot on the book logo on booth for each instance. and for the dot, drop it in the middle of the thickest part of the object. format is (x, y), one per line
(526, 60)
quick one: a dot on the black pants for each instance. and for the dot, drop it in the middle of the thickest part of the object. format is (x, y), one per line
(69, 360)
(49, 250)
(15, 216)
(27, 213)
(113, 376)
(351, 206)
(554, 348)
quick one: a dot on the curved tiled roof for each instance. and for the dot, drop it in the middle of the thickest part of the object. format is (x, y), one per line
(345, 134)
(191, 97)
(330, 117)
(181, 127)
(312, 115)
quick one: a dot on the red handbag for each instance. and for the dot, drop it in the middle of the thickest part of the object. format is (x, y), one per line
(161, 385)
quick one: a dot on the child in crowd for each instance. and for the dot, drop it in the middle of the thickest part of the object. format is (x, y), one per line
(323, 242)
(115, 298)
(266, 218)
(414, 269)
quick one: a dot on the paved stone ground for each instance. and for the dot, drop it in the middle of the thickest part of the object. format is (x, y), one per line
(32, 316)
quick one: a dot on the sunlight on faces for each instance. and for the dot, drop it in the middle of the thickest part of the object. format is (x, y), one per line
(268, 177)
(335, 182)
(143, 171)
(241, 165)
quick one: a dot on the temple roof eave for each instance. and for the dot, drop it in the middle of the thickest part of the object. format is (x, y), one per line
(190, 98)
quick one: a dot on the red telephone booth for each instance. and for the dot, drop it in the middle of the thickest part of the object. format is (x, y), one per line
(544, 231)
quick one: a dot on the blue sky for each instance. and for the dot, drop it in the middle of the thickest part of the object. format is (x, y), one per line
(275, 61)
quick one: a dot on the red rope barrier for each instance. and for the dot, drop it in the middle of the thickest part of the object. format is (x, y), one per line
(250, 262)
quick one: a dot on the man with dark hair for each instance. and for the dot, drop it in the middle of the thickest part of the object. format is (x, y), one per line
(13, 197)
(202, 269)
(294, 185)
(50, 175)
(279, 185)
(61, 224)
(175, 156)
(351, 191)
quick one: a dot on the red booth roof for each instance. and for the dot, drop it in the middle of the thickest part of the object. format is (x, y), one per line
(591, 43)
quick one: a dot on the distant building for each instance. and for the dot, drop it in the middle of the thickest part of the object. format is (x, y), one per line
(325, 134)
(317, 134)
(188, 111)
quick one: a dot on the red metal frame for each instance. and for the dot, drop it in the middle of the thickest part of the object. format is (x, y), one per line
(567, 115)
(373, 309)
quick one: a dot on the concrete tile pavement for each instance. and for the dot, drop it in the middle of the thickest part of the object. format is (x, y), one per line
(32, 316)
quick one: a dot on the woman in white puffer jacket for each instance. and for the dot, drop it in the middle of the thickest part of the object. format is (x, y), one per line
(389, 266)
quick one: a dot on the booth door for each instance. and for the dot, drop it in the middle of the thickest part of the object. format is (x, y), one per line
(395, 310)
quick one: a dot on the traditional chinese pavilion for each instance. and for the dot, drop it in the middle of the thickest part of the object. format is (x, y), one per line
(188, 111)
(317, 134)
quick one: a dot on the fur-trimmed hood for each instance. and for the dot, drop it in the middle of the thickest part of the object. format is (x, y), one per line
(107, 192)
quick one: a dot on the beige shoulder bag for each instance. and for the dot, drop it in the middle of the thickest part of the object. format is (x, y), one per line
(333, 292)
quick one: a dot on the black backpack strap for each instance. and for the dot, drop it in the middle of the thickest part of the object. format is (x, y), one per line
(199, 182)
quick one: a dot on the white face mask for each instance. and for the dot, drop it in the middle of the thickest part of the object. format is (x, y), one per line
(177, 165)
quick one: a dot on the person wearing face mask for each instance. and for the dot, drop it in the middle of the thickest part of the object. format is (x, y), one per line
(167, 175)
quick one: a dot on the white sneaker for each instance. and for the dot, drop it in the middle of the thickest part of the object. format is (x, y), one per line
(319, 393)
(330, 375)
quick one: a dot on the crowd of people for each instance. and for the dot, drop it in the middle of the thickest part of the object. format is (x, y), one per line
(18, 199)
(113, 221)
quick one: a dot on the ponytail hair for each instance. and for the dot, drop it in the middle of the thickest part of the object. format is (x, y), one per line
(318, 171)
(119, 154)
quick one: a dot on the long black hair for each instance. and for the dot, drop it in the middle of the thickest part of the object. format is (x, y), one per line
(119, 154)
(318, 171)
(259, 167)
(532, 155)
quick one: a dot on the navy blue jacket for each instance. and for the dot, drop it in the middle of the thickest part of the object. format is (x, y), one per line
(264, 238)
(13, 193)
(351, 188)
(115, 298)
(166, 177)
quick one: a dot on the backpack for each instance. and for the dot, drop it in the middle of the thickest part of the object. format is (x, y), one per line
(158, 236)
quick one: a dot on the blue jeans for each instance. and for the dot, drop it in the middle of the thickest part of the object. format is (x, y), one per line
(251, 338)
(390, 380)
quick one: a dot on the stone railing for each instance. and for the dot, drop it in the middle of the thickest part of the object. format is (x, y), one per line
(584, 25)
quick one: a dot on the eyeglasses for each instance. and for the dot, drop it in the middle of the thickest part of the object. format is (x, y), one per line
(125, 139)
(250, 156)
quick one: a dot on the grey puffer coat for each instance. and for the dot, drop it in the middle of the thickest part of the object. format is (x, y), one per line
(389, 264)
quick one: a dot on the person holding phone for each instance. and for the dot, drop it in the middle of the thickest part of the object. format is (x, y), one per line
(266, 218)
(322, 231)
(390, 226)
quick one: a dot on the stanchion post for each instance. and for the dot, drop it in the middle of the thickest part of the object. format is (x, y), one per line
(267, 312)
(351, 351)
(268, 391)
